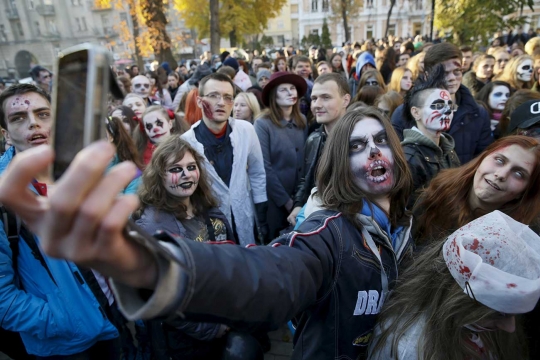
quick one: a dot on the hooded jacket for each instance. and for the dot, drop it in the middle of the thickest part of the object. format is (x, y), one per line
(426, 159)
(56, 313)
(470, 128)
(324, 275)
(363, 59)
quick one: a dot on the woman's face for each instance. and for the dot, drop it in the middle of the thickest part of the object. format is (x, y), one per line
(182, 178)
(281, 66)
(498, 97)
(406, 81)
(336, 62)
(485, 69)
(135, 104)
(286, 95)
(241, 109)
(173, 82)
(118, 114)
(157, 126)
(371, 158)
(502, 176)
(372, 81)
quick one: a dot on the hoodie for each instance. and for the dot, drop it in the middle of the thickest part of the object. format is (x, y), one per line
(363, 59)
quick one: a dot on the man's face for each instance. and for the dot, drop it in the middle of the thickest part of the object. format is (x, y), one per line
(485, 69)
(255, 65)
(263, 81)
(45, 78)
(435, 114)
(135, 70)
(501, 59)
(327, 104)
(183, 70)
(323, 69)
(371, 158)
(28, 119)
(453, 74)
(140, 85)
(217, 101)
(467, 60)
(303, 69)
(403, 58)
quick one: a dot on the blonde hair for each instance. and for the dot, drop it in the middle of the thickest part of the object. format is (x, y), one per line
(532, 45)
(395, 81)
(509, 73)
(252, 103)
(414, 65)
(133, 95)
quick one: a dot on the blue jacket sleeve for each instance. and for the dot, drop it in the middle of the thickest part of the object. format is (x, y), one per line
(19, 310)
(485, 136)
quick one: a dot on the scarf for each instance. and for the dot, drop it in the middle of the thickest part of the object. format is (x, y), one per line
(377, 214)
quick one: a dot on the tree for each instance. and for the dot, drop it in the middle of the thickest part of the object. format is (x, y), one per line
(344, 10)
(392, 4)
(314, 39)
(236, 17)
(326, 41)
(267, 41)
(470, 19)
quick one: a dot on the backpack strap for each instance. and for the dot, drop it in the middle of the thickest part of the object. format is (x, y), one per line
(12, 227)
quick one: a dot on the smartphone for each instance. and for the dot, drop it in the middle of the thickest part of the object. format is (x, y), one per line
(79, 103)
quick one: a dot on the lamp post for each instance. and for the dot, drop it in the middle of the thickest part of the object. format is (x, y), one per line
(432, 19)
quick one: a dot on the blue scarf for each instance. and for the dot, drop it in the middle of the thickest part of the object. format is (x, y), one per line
(380, 218)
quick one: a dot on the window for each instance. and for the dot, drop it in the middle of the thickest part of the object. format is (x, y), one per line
(3, 35)
(105, 20)
(38, 28)
(325, 5)
(417, 28)
(369, 32)
(369, 4)
(314, 5)
(294, 9)
(78, 22)
(83, 23)
(123, 17)
(392, 29)
(281, 40)
(52, 27)
(315, 31)
(20, 29)
(418, 4)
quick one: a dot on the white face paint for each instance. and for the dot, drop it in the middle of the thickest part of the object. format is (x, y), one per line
(157, 126)
(371, 158)
(436, 113)
(181, 178)
(525, 71)
(498, 97)
(286, 95)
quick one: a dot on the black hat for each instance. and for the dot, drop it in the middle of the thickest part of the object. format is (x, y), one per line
(525, 115)
(284, 77)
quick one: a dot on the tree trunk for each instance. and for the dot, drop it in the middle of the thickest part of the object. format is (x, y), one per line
(344, 7)
(392, 3)
(135, 22)
(157, 21)
(214, 27)
(232, 38)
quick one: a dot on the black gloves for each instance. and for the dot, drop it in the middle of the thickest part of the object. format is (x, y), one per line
(261, 210)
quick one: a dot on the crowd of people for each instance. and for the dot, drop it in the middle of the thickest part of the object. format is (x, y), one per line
(382, 197)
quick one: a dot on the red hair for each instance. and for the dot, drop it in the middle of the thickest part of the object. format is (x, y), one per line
(444, 207)
(192, 112)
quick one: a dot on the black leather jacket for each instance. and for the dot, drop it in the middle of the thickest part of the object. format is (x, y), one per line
(426, 159)
(324, 275)
(313, 150)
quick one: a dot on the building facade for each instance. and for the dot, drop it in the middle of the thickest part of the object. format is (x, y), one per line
(34, 31)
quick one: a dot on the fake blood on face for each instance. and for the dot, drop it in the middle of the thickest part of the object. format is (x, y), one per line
(207, 109)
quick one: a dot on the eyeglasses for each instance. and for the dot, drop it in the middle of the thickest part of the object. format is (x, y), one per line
(441, 106)
(147, 86)
(372, 83)
(215, 97)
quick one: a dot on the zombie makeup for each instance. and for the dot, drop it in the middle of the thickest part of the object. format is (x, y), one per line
(372, 82)
(371, 158)
(437, 112)
(498, 97)
(182, 178)
(286, 95)
(217, 101)
(525, 71)
(140, 85)
(157, 126)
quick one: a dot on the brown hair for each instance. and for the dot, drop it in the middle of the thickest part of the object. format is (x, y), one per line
(299, 59)
(18, 89)
(519, 97)
(335, 180)
(227, 70)
(125, 147)
(217, 77)
(369, 94)
(482, 97)
(276, 62)
(126, 82)
(479, 59)
(439, 53)
(452, 188)
(128, 116)
(152, 191)
(392, 98)
(274, 113)
(445, 309)
(340, 81)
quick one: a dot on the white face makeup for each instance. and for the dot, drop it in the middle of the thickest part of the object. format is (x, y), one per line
(136, 104)
(436, 113)
(371, 158)
(372, 81)
(140, 85)
(157, 126)
(181, 178)
(286, 95)
(498, 97)
(525, 71)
